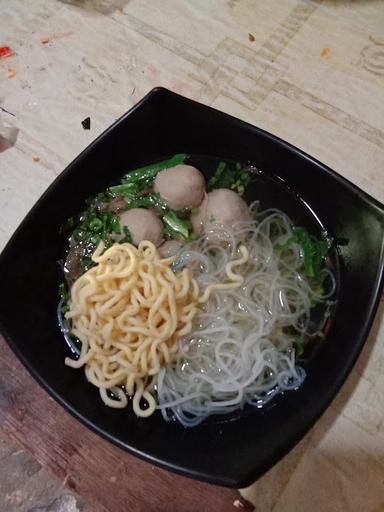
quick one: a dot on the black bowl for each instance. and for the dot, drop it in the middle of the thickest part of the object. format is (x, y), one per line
(232, 453)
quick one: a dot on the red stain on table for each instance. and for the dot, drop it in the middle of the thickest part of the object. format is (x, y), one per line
(180, 87)
(154, 71)
(6, 51)
(325, 52)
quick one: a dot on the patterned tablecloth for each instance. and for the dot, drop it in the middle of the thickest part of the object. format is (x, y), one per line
(311, 72)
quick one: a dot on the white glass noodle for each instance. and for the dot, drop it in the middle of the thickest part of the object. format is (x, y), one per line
(241, 350)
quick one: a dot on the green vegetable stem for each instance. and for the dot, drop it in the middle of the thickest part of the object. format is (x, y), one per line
(136, 181)
(178, 228)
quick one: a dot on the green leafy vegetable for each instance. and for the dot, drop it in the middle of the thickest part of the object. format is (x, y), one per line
(237, 178)
(65, 308)
(178, 228)
(97, 224)
(63, 292)
(127, 235)
(93, 227)
(87, 262)
(126, 190)
(151, 200)
(114, 224)
(64, 295)
(148, 172)
(314, 251)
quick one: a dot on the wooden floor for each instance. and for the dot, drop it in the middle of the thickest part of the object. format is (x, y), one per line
(311, 72)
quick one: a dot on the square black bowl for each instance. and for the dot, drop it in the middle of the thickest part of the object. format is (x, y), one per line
(232, 453)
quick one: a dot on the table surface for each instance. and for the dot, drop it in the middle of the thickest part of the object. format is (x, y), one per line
(311, 72)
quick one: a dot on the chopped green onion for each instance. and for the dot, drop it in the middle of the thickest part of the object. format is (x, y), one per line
(65, 308)
(79, 235)
(225, 177)
(96, 225)
(115, 225)
(127, 238)
(63, 292)
(95, 240)
(151, 200)
(87, 262)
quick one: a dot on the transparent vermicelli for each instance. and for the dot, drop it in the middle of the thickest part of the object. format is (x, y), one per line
(241, 350)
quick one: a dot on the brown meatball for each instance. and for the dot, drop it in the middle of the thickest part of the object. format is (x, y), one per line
(181, 187)
(143, 225)
(221, 206)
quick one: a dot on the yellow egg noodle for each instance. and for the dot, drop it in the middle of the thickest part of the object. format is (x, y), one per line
(129, 312)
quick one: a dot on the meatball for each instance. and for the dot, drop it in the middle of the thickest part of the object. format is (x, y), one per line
(198, 217)
(221, 206)
(143, 225)
(181, 187)
(170, 248)
(116, 205)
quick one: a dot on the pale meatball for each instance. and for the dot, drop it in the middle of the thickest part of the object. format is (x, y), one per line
(170, 248)
(198, 216)
(181, 187)
(221, 206)
(143, 225)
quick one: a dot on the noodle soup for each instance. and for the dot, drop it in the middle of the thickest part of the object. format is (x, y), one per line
(198, 287)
